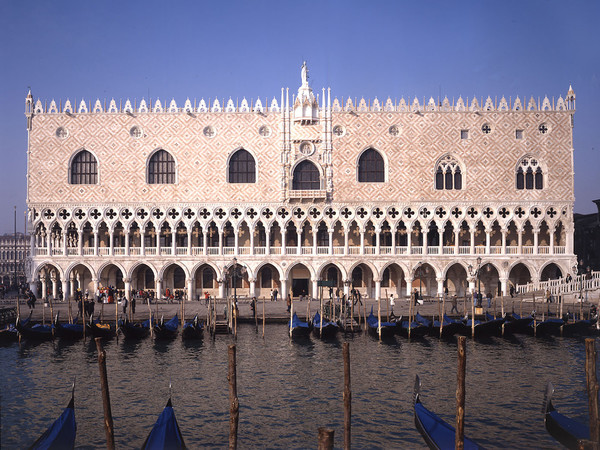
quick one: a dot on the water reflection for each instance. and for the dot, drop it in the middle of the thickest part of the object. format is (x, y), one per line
(288, 389)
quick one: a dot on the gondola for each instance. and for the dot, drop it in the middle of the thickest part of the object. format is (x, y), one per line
(329, 328)
(10, 333)
(417, 329)
(100, 330)
(580, 327)
(298, 328)
(450, 327)
(165, 433)
(193, 329)
(134, 330)
(37, 332)
(567, 431)
(68, 330)
(516, 324)
(388, 329)
(550, 326)
(489, 327)
(437, 433)
(61, 434)
(166, 330)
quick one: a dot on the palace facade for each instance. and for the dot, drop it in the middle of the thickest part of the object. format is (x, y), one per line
(14, 251)
(384, 196)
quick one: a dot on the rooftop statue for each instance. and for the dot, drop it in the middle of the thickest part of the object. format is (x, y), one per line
(304, 74)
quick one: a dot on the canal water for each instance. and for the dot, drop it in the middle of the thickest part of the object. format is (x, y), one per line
(287, 389)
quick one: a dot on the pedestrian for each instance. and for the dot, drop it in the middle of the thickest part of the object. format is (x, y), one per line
(512, 291)
(124, 303)
(289, 302)
(271, 294)
(416, 296)
(489, 299)
(330, 292)
(548, 296)
(133, 305)
(275, 293)
(454, 304)
(206, 298)
(392, 302)
(253, 307)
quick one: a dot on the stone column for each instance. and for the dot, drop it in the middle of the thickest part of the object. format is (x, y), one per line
(299, 239)
(551, 242)
(346, 241)
(221, 288)
(127, 282)
(377, 289)
(158, 231)
(330, 232)
(72, 284)
(204, 242)
(189, 242)
(236, 241)
(425, 243)
(283, 292)
(315, 289)
(44, 288)
(347, 284)
(252, 282)
(377, 241)
(440, 286)
(159, 289)
(409, 241)
(251, 231)
(488, 238)
(504, 285)
(472, 241)
(33, 288)
(520, 240)
(65, 289)
(362, 242)
(221, 242)
(190, 289)
(441, 242)
(268, 240)
(456, 241)
(111, 237)
(95, 242)
(127, 243)
(54, 287)
(504, 233)
(536, 234)
(64, 242)
(393, 240)
(314, 243)
(409, 282)
(142, 243)
(283, 239)
(95, 284)
(80, 242)
(174, 241)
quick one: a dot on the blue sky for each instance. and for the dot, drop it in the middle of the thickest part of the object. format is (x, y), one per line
(179, 49)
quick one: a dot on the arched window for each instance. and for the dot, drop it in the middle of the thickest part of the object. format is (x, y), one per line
(447, 174)
(161, 168)
(242, 167)
(529, 174)
(371, 168)
(306, 177)
(84, 168)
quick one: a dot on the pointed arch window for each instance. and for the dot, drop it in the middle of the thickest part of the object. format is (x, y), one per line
(161, 168)
(306, 177)
(448, 175)
(529, 175)
(84, 168)
(242, 167)
(371, 168)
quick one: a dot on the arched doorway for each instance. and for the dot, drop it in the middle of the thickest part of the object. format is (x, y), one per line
(142, 278)
(300, 281)
(424, 281)
(456, 280)
(551, 272)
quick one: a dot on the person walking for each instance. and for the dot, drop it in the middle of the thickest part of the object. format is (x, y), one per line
(489, 299)
(454, 304)
(133, 305)
(289, 303)
(275, 292)
(124, 302)
(416, 296)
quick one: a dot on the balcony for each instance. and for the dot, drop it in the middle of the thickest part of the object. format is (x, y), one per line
(307, 194)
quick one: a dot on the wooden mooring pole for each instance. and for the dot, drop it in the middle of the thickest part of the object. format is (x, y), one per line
(234, 405)
(347, 397)
(459, 442)
(325, 438)
(263, 330)
(108, 420)
(592, 391)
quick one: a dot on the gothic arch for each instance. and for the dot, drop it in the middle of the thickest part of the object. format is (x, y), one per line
(377, 154)
(36, 271)
(256, 270)
(101, 268)
(72, 158)
(293, 264)
(142, 263)
(374, 271)
(341, 268)
(237, 151)
(171, 156)
(449, 173)
(299, 166)
(168, 264)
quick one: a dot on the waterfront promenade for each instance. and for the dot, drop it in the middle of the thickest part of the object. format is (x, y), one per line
(276, 312)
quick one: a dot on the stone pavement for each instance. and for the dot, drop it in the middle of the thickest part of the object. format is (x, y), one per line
(276, 312)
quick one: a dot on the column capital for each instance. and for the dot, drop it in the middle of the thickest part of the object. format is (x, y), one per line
(126, 280)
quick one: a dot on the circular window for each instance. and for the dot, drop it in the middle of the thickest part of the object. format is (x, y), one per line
(339, 130)
(486, 128)
(394, 130)
(209, 131)
(136, 132)
(62, 133)
(543, 128)
(306, 148)
(264, 131)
